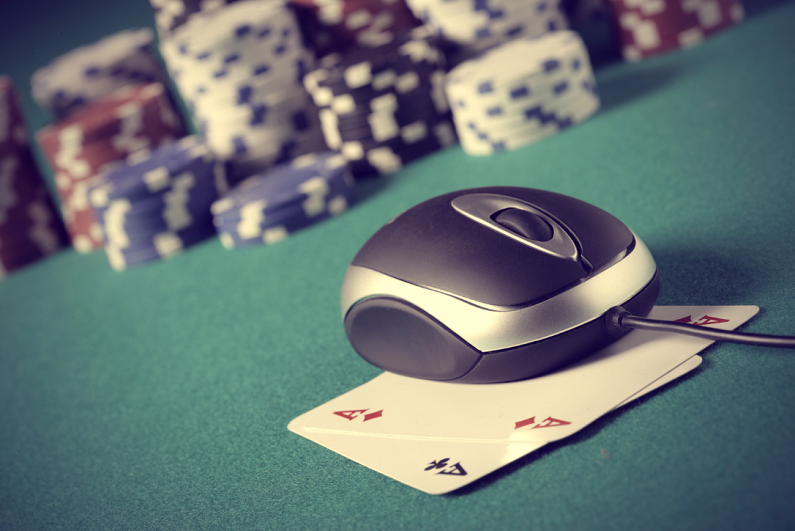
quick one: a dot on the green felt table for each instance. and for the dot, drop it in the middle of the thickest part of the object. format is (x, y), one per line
(159, 398)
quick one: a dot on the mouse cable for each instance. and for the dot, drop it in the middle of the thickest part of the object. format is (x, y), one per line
(619, 321)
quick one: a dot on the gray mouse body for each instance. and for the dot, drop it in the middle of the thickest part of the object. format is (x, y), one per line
(493, 284)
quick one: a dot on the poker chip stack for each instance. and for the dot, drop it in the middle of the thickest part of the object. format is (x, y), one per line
(339, 25)
(267, 208)
(521, 92)
(239, 70)
(383, 107)
(89, 72)
(94, 137)
(652, 27)
(156, 203)
(478, 25)
(30, 228)
(171, 14)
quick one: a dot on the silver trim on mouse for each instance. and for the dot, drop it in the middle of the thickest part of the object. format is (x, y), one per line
(490, 329)
(480, 208)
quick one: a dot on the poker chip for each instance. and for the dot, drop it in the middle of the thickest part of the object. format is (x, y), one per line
(268, 207)
(239, 70)
(339, 25)
(383, 107)
(30, 228)
(476, 26)
(171, 14)
(92, 71)
(521, 92)
(156, 203)
(653, 27)
(93, 138)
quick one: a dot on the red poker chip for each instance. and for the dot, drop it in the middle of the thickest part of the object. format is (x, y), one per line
(26, 181)
(84, 230)
(105, 117)
(13, 133)
(80, 218)
(30, 227)
(87, 163)
(659, 26)
(31, 230)
(97, 137)
(13, 260)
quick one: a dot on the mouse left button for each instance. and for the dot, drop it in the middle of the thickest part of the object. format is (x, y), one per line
(398, 337)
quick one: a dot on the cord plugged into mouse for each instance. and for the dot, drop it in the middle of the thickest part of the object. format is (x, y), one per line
(619, 321)
(500, 283)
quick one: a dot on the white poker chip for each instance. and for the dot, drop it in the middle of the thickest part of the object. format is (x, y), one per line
(521, 92)
(478, 26)
(91, 71)
(239, 69)
(543, 123)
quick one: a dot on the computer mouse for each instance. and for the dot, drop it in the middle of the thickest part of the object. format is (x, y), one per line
(493, 284)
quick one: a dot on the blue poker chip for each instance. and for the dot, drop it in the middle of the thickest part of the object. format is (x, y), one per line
(311, 195)
(149, 240)
(202, 190)
(158, 246)
(181, 208)
(146, 173)
(259, 228)
(290, 197)
(157, 202)
(284, 185)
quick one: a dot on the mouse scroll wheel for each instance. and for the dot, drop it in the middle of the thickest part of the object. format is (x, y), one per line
(525, 224)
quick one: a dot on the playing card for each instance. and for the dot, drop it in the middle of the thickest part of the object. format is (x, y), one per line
(386, 421)
(438, 467)
(528, 410)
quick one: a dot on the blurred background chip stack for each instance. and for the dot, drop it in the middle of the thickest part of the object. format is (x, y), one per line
(91, 71)
(383, 107)
(521, 92)
(475, 26)
(239, 70)
(156, 203)
(30, 228)
(269, 207)
(92, 138)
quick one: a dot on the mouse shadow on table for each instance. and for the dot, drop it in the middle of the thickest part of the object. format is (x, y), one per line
(689, 277)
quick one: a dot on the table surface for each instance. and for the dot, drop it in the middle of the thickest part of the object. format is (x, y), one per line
(159, 398)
